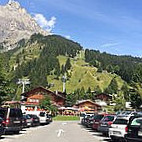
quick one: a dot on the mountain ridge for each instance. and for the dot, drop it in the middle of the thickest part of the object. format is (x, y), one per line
(16, 24)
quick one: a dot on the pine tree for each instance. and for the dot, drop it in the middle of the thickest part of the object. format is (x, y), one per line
(63, 69)
(112, 88)
(125, 90)
(68, 64)
(97, 89)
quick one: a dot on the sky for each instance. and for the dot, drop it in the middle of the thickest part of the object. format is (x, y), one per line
(112, 26)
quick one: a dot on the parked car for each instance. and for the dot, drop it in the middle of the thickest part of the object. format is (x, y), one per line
(119, 128)
(2, 127)
(43, 117)
(86, 119)
(24, 122)
(96, 122)
(28, 120)
(48, 118)
(35, 120)
(90, 121)
(135, 129)
(12, 119)
(127, 113)
(105, 124)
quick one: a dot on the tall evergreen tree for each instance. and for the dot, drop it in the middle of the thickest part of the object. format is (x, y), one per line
(68, 64)
(112, 88)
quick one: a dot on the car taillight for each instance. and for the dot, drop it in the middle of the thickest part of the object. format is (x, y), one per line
(6, 121)
(109, 123)
(126, 129)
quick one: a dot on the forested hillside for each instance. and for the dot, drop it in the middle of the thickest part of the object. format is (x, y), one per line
(46, 59)
(128, 67)
(38, 58)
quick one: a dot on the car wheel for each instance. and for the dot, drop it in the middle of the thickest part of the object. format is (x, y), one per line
(16, 132)
(113, 139)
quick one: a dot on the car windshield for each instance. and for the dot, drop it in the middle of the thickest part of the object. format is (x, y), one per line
(127, 112)
(28, 117)
(98, 117)
(108, 118)
(42, 114)
(34, 116)
(120, 121)
(137, 121)
(15, 113)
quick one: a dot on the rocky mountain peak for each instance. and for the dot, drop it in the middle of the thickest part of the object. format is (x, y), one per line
(15, 24)
(14, 4)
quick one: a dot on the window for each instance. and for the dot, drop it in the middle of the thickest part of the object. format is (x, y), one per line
(98, 117)
(42, 114)
(137, 121)
(120, 121)
(15, 113)
(108, 118)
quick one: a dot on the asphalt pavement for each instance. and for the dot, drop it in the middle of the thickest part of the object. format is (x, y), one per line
(56, 132)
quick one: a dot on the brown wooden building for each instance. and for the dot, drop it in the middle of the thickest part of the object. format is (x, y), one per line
(34, 97)
(103, 97)
(88, 106)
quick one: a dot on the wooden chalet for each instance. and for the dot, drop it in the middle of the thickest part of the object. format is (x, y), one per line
(34, 96)
(103, 97)
(88, 106)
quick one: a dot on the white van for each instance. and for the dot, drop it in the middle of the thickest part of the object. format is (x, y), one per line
(42, 117)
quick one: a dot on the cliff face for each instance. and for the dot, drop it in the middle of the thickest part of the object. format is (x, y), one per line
(16, 24)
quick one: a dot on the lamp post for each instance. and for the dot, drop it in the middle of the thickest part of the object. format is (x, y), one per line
(64, 83)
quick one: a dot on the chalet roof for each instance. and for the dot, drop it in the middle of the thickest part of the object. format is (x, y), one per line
(41, 89)
(84, 101)
(102, 94)
(12, 102)
(107, 95)
(36, 96)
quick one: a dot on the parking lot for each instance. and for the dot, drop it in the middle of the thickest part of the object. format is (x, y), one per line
(57, 131)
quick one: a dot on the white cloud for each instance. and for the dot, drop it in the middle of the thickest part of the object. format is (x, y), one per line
(44, 23)
(109, 45)
(68, 36)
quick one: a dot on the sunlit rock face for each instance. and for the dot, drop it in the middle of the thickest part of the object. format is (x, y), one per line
(16, 24)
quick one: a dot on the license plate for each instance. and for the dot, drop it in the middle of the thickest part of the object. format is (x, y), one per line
(116, 132)
(16, 121)
(139, 133)
(36, 119)
(103, 125)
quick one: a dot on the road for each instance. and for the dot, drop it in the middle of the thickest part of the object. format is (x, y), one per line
(56, 132)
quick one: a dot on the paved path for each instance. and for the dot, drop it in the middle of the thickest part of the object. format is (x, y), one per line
(54, 132)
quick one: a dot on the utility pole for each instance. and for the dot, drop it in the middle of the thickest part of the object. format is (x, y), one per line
(64, 83)
(23, 82)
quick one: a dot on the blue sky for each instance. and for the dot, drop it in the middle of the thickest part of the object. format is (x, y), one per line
(113, 26)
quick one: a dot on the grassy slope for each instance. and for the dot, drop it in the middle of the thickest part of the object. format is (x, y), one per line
(83, 75)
